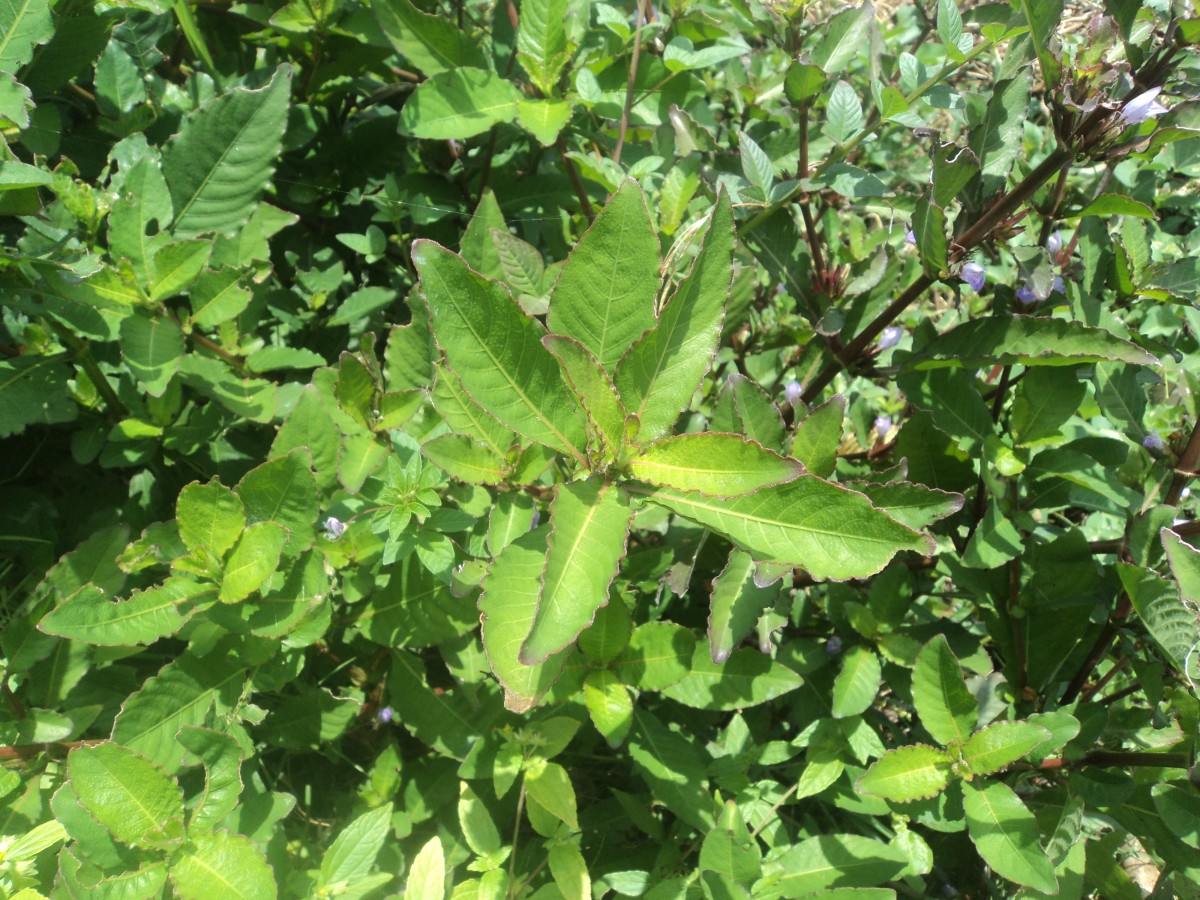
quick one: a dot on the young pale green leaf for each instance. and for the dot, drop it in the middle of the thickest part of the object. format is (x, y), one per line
(219, 162)
(756, 165)
(496, 351)
(946, 708)
(551, 787)
(427, 875)
(152, 348)
(843, 38)
(458, 104)
(811, 523)
(570, 872)
(730, 850)
(1030, 341)
(176, 266)
(1006, 835)
(590, 521)
(310, 425)
(609, 705)
(659, 373)
(509, 605)
(222, 757)
(949, 24)
(595, 391)
(544, 119)
(218, 297)
(476, 822)
(747, 678)
(353, 853)
(819, 435)
(128, 795)
(466, 459)
(717, 465)
(857, 683)
(843, 114)
(221, 864)
(90, 616)
(604, 297)
(991, 749)
(254, 559)
(817, 864)
(477, 244)
(911, 504)
(432, 43)
(511, 516)
(736, 604)
(907, 774)
(284, 491)
(542, 42)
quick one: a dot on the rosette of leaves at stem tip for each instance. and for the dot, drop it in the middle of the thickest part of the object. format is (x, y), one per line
(600, 386)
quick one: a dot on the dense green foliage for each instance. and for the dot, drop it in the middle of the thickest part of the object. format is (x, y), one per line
(549, 448)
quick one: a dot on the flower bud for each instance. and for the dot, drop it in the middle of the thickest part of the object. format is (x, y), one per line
(883, 424)
(1054, 244)
(1154, 442)
(889, 338)
(792, 391)
(334, 528)
(385, 715)
(833, 646)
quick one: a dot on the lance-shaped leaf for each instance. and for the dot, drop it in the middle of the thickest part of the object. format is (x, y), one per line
(719, 465)
(947, 709)
(914, 505)
(737, 602)
(467, 417)
(1006, 835)
(222, 157)
(432, 43)
(508, 606)
(222, 757)
(595, 390)
(127, 794)
(821, 527)
(659, 373)
(466, 459)
(994, 747)
(542, 41)
(818, 436)
(590, 521)
(1030, 341)
(458, 104)
(90, 616)
(907, 774)
(496, 351)
(604, 297)
(254, 559)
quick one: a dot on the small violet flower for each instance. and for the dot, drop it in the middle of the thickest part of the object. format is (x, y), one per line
(889, 338)
(334, 528)
(385, 715)
(1142, 107)
(910, 237)
(1058, 286)
(1054, 244)
(537, 514)
(792, 391)
(974, 275)
(833, 646)
(1026, 295)
(883, 424)
(1154, 442)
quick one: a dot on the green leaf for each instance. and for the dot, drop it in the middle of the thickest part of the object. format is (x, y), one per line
(946, 708)
(590, 526)
(842, 860)
(33, 391)
(929, 228)
(998, 140)
(594, 388)
(843, 37)
(759, 417)
(254, 559)
(1006, 835)
(747, 678)
(466, 416)
(128, 795)
(673, 767)
(352, 854)
(221, 159)
(466, 459)
(949, 24)
(659, 373)
(427, 875)
(756, 165)
(1044, 17)
(542, 42)
(991, 749)
(176, 266)
(955, 404)
(217, 297)
(681, 54)
(737, 602)
(730, 850)
(144, 203)
(658, 655)
(1030, 341)
(819, 435)
(496, 351)
(508, 606)
(717, 465)
(953, 166)
(476, 822)
(23, 24)
(1179, 807)
(210, 516)
(89, 616)
(222, 757)
(544, 119)
(283, 491)
(827, 530)
(570, 872)
(152, 349)
(459, 104)
(1107, 205)
(609, 705)
(843, 114)
(910, 504)
(1048, 396)
(222, 865)
(432, 43)
(857, 683)
(906, 774)
(551, 788)
(604, 297)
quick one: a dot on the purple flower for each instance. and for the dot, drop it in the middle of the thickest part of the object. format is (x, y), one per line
(974, 275)
(1142, 107)
(780, 289)
(1058, 286)
(889, 338)
(1026, 295)
(537, 514)
(883, 424)
(792, 391)
(1054, 244)
(910, 237)
(385, 715)
(1154, 442)
(334, 528)
(833, 646)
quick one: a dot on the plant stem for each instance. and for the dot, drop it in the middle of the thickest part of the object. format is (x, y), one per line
(1120, 759)
(1185, 467)
(512, 859)
(576, 181)
(83, 356)
(623, 125)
